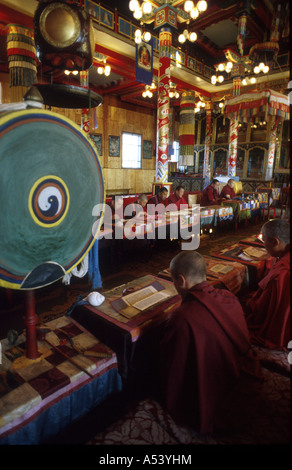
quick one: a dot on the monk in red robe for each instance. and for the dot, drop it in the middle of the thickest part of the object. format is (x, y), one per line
(204, 347)
(137, 208)
(177, 198)
(268, 310)
(159, 198)
(228, 191)
(210, 194)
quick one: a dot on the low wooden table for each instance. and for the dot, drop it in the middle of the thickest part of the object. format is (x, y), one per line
(123, 334)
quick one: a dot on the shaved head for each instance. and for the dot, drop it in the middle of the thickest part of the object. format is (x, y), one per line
(277, 228)
(189, 264)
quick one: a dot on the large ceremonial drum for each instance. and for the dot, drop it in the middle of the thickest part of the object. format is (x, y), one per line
(51, 184)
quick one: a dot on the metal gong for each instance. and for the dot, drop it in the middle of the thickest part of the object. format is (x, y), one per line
(50, 181)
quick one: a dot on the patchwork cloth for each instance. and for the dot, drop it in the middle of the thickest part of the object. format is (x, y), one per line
(70, 359)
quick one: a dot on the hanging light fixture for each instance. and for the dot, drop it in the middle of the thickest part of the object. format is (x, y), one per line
(102, 67)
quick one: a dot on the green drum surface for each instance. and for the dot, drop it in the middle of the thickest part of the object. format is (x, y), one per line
(50, 181)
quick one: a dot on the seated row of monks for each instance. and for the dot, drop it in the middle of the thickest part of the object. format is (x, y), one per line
(209, 370)
(176, 198)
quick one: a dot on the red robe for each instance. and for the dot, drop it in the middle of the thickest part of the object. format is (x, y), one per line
(226, 190)
(209, 196)
(155, 205)
(174, 199)
(269, 317)
(204, 346)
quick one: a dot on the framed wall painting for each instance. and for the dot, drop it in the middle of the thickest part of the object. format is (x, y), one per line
(97, 139)
(114, 146)
(147, 149)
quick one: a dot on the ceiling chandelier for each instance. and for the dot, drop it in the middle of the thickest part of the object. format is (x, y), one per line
(186, 10)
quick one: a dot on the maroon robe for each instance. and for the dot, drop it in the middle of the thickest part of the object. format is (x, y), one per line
(209, 196)
(204, 346)
(159, 205)
(269, 316)
(226, 190)
(174, 199)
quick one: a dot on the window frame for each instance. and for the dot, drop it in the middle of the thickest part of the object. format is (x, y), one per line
(140, 148)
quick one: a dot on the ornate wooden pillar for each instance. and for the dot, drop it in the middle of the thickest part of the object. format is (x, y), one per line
(272, 149)
(165, 38)
(208, 139)
(233, 134)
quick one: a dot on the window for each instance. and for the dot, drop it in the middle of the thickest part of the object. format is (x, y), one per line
(131, 150)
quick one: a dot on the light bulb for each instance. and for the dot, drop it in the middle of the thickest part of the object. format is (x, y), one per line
(202, 5)
(193, 37)
(197, 110)
(176, 94)
(171, 94)
(261, 66)
(256, 69)
(138, 32)
(138, 39)
(150, 94)
(66, 72)
(133, 5)
(266, 69)
(75, 72)
(181, 38)
(185, 33)
(107, 70)
(194, 13)
(220, 78)
(221, 105)
(213, 79)
(138, 14)
(199, 103)
(147, 36)
(229, 65)
(253, 80)
(144, 94)
(188, 6)
(221, 67)
(203, 104)
(100, 70)
(147, 8)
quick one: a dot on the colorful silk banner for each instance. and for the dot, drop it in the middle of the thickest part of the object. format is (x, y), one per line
(187, 129)
(144, 62)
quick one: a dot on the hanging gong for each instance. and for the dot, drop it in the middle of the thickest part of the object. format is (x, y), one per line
(50, 181)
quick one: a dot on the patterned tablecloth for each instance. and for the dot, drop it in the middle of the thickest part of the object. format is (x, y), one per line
(257, 266)
(38, 398)
(241, 209)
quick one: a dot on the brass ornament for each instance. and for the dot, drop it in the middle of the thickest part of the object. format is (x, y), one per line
(59, 25)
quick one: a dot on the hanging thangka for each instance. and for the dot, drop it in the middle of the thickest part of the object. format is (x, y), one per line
(144, 62)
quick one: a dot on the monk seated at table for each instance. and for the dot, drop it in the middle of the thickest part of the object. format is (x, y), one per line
(157, 202)
(210, 194)
(228, 191)
(136, 209)
(177, 198)
(204, 346)
(268, 310)
(116, 205)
